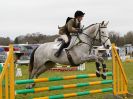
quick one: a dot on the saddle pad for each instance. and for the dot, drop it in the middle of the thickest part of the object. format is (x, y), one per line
(73, 42)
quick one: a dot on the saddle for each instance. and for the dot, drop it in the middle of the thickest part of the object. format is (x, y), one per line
(72, 42)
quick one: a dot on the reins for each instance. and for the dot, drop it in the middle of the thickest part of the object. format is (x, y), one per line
(92, 39)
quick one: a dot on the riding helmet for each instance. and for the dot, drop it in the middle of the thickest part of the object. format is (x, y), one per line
(78, 13)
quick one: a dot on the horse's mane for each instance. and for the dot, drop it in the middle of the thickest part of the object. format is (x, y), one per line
(89, 26)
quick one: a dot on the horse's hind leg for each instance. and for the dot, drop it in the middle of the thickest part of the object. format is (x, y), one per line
(37, 72)
(34, 74)
(31, 76)
(40, 70)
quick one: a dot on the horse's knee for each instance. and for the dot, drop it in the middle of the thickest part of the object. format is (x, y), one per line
(97, 66)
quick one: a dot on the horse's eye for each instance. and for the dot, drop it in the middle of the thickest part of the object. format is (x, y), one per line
(102, 32)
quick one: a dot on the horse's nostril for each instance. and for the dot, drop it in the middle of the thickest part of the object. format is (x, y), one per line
(108, 46)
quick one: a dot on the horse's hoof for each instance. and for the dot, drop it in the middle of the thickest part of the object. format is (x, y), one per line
(103, 76)
(97, 74)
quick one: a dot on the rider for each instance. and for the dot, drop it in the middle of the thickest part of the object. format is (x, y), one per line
(73, 25)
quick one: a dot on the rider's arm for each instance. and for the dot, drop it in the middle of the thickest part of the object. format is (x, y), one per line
(70, 26)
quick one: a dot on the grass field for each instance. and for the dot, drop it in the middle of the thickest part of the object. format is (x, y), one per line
(90, 68)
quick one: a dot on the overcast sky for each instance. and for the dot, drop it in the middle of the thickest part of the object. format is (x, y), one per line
(19, 17)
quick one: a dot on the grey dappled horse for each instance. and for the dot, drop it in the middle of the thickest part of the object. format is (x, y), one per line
(43, 57)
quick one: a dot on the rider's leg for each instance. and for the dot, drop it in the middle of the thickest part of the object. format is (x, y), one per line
(65, 38)
(63, 44)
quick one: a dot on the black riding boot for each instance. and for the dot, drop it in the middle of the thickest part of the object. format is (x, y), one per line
(57, 54)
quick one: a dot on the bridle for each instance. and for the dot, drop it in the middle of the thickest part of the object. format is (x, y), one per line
(93, 39)
(100, 35)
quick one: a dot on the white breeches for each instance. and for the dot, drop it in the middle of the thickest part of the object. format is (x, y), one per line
(65, 38)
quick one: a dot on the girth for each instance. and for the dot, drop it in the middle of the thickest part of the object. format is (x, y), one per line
(70, 58)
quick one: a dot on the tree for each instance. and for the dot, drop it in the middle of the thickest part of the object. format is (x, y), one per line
(35, 38)
(16, 41)
(129, 38)
(5, 41)
(114, 37)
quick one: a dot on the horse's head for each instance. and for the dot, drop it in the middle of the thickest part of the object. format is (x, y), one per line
(99, 32)
(103, 34)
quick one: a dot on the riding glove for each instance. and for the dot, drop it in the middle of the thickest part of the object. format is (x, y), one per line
(79, 30)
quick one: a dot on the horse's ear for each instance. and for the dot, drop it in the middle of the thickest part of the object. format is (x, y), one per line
(107, 23)
(102, 23)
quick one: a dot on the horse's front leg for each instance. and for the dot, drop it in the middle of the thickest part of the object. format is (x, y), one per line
(98, 60)
(104, 74)
(104, 67)
(98, 69)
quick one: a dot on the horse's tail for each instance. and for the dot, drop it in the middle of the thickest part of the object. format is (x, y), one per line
(31, 65)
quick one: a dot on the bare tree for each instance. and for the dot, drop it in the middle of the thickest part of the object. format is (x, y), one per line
(129, 37)
(35, 38)
(5, 41)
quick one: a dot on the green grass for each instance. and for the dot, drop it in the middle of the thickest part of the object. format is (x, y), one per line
(90, 68)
